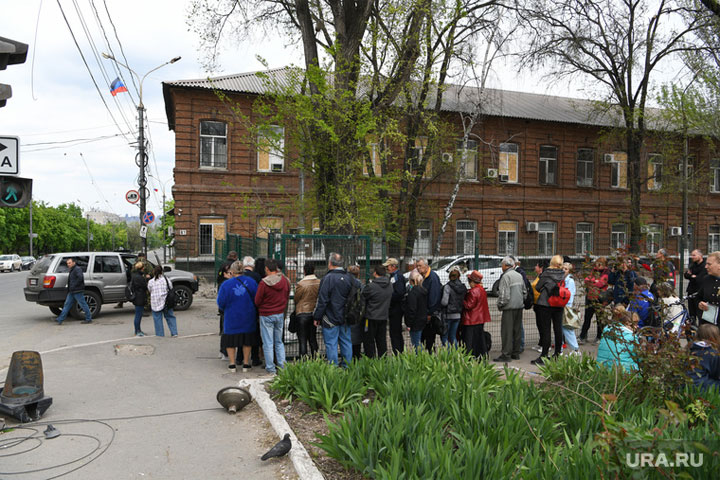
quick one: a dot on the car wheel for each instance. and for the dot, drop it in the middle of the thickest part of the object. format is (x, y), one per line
(184, 297)
(56, 310)
(94, 302)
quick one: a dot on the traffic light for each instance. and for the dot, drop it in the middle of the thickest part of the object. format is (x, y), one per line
(15, 192)
(11, 53)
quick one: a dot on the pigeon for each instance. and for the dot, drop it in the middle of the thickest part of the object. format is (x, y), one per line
(280, 449)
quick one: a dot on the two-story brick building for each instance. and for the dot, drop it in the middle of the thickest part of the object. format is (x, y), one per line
(545, 178)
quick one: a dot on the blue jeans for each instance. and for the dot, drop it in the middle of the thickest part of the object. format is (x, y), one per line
(570, 337)
(451, 333)
(415, 338)
(70, 300)
(138, 318)
(169, 317)
(332, 336)
(271, 328)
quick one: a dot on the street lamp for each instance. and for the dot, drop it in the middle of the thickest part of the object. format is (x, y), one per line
(142, 163)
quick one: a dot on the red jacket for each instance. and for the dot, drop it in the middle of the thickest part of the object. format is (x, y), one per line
(272, 295)
(475, 307)
(596, 283)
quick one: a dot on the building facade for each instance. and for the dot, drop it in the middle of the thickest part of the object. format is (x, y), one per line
(542, 177)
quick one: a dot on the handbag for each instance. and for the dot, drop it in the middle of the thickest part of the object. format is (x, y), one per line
(439, 324)
(171, 297)
(571, 318)
(293, 324)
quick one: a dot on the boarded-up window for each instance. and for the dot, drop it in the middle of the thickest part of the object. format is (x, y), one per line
(271, 148)
(509, 161)
(211, 229)
(268, 225)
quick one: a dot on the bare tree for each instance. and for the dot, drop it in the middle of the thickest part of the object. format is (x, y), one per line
(619, 45)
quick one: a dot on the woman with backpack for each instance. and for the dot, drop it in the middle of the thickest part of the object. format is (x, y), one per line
(159, 287)
(452, 301)
(138, 286)
(550, 313)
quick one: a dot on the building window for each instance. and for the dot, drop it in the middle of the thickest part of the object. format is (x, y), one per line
(509, 161)
(546, 238)
(270, 149)
(468, 154)
(653, 237)
(420, 149)
(618, 170)
(268, 226)
(585, 167)
(713, 238)
(618, 236)
(583, 238)
(465, 237)
(507, 238)
(318, 248)
(374, 160)
(213, 144)
(423, 239)
(211, 229)
(548, 165)
(655, 165)
(714, 176)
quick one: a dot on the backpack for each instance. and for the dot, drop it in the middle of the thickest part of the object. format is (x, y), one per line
(559, 296)
(129, 293)
(655, 317)
(529, 296)
(354, 305)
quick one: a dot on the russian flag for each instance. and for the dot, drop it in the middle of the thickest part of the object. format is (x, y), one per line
(117, 86)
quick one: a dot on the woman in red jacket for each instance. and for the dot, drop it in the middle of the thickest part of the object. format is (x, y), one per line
(476, 314)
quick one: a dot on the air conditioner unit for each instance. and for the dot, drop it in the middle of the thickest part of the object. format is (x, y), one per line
(492, 172)
(675, 231)
(276, 167)
(645, 229)
(608, 158)
(503, 178)
(531, 226)
(447, 157)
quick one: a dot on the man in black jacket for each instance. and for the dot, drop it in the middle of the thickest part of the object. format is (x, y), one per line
(396, 305)
(695, 274)
(377, 295)
(76, 292)
(329, 312)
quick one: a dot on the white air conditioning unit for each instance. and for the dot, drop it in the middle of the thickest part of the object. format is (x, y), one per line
(608, 158)
(276, 167)
(531, 226)
(644, 229)
(447, 157)
(492, 172)
(503, 178)
(675, 231)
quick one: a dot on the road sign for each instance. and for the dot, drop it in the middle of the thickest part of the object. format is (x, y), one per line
(143, 231)
(132, 196)
(148, 218)
(9, 155)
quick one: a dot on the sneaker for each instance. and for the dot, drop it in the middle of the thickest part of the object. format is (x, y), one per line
(246, 367)
(537, 348)
(576, 353)
(502, 358)
(538, 361)
(515, 357)
(232, 369)
(139, 334)
(174, 336)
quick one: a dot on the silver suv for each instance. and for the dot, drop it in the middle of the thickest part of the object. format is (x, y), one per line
(106, 275)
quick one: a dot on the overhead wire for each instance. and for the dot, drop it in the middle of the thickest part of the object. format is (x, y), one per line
(122, 51)
(32, 65)
(94, 184)
(65, 145)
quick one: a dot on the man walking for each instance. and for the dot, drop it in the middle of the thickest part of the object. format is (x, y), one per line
(396, 305)
(511, 299)
(695, 274)
(330, 310)
(271, 300)
(76, 292)
(377, 295)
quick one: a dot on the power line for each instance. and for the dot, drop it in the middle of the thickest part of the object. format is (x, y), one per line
(92, 181)
(64, 145)
(122, 51)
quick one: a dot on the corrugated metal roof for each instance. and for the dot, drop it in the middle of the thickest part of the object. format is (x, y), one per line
(495, 102)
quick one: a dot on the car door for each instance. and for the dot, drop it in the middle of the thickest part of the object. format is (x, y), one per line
(110, 276)
(490, 268)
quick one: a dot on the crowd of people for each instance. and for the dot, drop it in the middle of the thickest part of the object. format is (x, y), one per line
(355, 319)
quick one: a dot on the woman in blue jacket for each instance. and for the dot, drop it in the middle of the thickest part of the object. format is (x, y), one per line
(705, 347)
(236, 299)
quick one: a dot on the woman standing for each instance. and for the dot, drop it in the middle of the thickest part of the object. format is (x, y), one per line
(569, 332)
(306, 293)
(475, 315)
(550, 317)
(416, 309)
(236, 299)
(159, 286)
(138, 285)
(452, 301)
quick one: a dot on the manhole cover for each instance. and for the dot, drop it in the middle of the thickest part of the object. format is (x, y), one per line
(133, 350)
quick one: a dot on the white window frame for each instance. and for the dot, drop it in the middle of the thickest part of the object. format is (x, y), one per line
(654, 238)
(583, 238)
(713, 238)
(374, 154)
(714, 175)
(216, 141)
(618, 236)
(465, 232)
(546, 236)
(548, 165)
(271, 141)
(468, 153)
(507, 238)
(583, 166)
(655, 167)
(615, 171)
(509, 153)
(423, 238)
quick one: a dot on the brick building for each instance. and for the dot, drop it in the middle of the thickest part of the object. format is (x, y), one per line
(545, 178)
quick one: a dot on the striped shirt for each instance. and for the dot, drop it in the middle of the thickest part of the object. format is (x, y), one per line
(158, 288)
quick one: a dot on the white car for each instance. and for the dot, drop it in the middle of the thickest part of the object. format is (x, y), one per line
(488, 265)
(10, 263)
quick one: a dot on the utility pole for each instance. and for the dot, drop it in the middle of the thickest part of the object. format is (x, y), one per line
(88, 230)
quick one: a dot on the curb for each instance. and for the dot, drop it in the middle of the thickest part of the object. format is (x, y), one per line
(304, 466)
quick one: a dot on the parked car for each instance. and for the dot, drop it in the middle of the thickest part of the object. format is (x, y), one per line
(27, 262)
(106, 275)
(10, 263)
(488, 265)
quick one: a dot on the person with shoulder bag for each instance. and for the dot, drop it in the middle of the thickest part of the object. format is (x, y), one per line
(161, 296)
(550, 315)
(306, 293)
(571, 318)
(138, 288)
